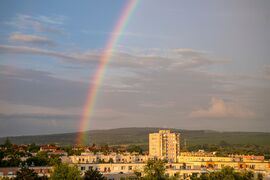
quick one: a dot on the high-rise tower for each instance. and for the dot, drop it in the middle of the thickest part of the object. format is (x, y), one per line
(164, 145)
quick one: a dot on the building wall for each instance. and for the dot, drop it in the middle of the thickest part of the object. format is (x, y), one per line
(154, 145)
(183, 169)
(116, 158)
(11, 171)
(205, 158)
(164, 145)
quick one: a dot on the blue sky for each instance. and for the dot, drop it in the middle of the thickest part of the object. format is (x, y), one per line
(184, 64)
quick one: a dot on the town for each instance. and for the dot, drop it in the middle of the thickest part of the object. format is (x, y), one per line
(165, 155)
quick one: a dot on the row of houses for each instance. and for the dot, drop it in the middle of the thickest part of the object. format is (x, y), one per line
(10, 172)
(186, 167)
(162, 145)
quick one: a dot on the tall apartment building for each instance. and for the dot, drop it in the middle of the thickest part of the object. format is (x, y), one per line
(164, 145)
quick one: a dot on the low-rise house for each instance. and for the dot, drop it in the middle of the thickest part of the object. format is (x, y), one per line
(48, 148)
(186, 165)
(58, 152)
(10, 172)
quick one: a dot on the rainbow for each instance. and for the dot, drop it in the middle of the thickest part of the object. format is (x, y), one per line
(96, 81)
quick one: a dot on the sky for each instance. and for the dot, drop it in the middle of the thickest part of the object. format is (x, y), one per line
(177, 64)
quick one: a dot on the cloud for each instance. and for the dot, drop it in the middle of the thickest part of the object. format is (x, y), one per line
(58, 20)
(139, 88)
(39, 88)
(39, 116)
(33, 51)
(188, 52)
(221, 109)
(109, 114)
(36, 119)
(160, 105)
(124, 100)
(36, 124)
(151, 60)
(51, 24)
(124, 34)
(266, 71)
(16, 109)
(33, 39)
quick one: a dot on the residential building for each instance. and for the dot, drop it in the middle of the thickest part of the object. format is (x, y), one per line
(164, 145)
(10, 172)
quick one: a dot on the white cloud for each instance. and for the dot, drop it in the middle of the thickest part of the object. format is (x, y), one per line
(218, 108)
(8, 108)
(33, 39)
(188, 52)
(160, 105)
(38, 23)
(151, 60)
(34, 51)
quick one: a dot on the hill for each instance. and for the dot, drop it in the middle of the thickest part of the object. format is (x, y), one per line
(140, 136)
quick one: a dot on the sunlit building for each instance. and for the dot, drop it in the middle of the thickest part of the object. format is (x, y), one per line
(164, 145)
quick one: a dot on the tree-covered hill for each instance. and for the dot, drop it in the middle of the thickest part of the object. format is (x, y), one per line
(140, 136)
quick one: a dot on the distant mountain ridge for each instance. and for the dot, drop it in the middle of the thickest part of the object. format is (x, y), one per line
(136, 135)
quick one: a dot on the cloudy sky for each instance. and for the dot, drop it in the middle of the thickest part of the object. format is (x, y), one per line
(182, 64)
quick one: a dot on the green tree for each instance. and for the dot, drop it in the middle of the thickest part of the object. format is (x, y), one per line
(5, 178)
(37, 161)
(2, 155)
(54, 160)
(68, 149)
(206, 177)
(223, 144)
(260, 176)
(33, 148)
(12, 162)
(110, 160)
(247, 175)
(8, 144)
(154, 169)
(134, 148)
(26, 174)
(176, 176)
(93, 174)
(226, 173)
(138, 174)
(9, 150)
(65, 172)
